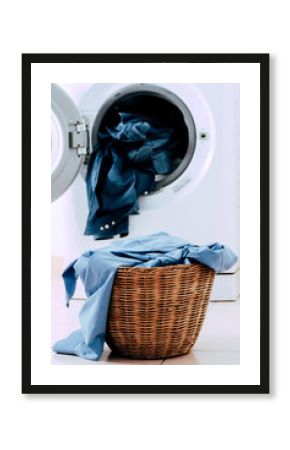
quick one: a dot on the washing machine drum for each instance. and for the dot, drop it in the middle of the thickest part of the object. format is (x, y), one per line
(75, 135)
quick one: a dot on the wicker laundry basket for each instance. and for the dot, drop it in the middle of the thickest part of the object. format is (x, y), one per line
(158, 312)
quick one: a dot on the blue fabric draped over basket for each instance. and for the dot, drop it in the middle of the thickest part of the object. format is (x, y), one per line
(97, 270)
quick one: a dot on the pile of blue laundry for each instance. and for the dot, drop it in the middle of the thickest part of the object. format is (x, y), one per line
(97, 270)
(123, 166)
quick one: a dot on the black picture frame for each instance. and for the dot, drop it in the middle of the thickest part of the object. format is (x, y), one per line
(263, 61)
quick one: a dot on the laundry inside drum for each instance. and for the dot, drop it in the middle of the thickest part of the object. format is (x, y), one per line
(163, 112)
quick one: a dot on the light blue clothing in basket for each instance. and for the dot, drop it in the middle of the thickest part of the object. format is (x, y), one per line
(97, 270)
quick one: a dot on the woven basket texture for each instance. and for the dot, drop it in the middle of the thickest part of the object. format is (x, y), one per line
(158, 312)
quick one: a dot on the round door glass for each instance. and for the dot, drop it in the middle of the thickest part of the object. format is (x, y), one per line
(65, 161)
(56, 143)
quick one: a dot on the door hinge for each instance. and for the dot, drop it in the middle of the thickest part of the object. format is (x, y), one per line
(79, 137)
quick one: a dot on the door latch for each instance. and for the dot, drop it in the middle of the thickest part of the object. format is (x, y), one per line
(79, 137)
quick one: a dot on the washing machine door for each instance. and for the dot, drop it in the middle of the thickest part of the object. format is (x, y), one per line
(69, 141)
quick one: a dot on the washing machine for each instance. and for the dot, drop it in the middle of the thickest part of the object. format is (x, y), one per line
(197, 201)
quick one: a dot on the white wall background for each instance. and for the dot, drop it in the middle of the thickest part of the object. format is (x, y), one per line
(72, 422)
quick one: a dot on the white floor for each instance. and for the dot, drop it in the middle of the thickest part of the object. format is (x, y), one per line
(218, 342)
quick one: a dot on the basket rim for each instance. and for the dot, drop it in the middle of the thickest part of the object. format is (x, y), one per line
(191, 266)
